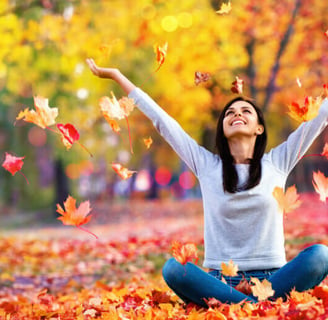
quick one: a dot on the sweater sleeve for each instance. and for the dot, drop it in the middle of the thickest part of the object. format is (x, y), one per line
(187, 148)
(286, 155)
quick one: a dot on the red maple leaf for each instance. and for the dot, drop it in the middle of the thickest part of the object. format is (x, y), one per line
(13, 164)
(237, 86)
(69, 134)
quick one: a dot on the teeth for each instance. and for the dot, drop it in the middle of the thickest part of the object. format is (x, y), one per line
(237, 122)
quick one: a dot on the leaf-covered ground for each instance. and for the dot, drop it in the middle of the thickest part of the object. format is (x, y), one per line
(56, 272)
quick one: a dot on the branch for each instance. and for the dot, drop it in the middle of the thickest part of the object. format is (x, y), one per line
(271, 87)
(251, 71)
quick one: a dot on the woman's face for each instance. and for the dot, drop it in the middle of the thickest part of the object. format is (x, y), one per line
(241, 119)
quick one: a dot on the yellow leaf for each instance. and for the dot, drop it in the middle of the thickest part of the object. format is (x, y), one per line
(287, 201)
(262, 290)
(225, 8)
(230, 269)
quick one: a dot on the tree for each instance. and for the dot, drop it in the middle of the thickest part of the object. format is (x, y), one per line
(269, 44)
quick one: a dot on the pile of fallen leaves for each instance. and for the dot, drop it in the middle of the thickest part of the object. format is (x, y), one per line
(46, 274)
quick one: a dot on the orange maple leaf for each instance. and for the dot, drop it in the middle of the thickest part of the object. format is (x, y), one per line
(320, 183)
(148, 142)
(287, 201)
(123, 172)
(225, 8)
(161, 52)
(237, 86)
(184, 252)
(306, 112)
(43, 115)
(229, 269)
(262, 290)
(325, 150)
(74, 216)
(113, 108)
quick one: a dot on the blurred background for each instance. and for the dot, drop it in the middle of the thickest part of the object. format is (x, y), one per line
(43, 47)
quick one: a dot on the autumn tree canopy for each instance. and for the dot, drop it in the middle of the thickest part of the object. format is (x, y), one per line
(273, 46)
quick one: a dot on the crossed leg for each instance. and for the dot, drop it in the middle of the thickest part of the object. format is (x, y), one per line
(191, 283)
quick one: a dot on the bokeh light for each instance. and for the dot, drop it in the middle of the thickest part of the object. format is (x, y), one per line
(143, 181)
(185, 20)
(37, 137)
(187, 180)
(169, 23)
(163, 176)
(75, 170)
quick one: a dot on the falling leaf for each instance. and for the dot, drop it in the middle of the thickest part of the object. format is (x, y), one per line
(230, 269)
(225, 8)
(306, 112)
(201, 77)
(123, 172)
(298, 81)
(184, 252)
(320, 183)
(325, 150)
(75, 216)
(13, 164)
(112, 108)
(161, 52)
(237, 86)
(287, 201)
(69, 134)
(148, 142)
(325, 87)
(119, 109)
(43, 115)
(262, 290)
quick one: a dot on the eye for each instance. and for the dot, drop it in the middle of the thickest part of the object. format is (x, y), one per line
(229, 112)
(247, 110)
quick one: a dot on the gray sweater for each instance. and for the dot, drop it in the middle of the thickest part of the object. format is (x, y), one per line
(246, 226)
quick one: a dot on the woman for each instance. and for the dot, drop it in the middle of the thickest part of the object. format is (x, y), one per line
(242, 221)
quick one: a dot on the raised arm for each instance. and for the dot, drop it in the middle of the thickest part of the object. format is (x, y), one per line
(111, 73)
(196, 157)
(286, 155)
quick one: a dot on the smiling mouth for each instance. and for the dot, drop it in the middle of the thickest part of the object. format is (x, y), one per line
(237, 122)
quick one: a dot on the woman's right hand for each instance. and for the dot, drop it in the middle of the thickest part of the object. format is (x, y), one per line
(111, 73)
(107, 73)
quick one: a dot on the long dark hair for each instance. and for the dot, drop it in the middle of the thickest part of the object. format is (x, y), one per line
(229, 173)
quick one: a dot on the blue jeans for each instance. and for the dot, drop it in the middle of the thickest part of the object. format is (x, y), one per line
(192, 284)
